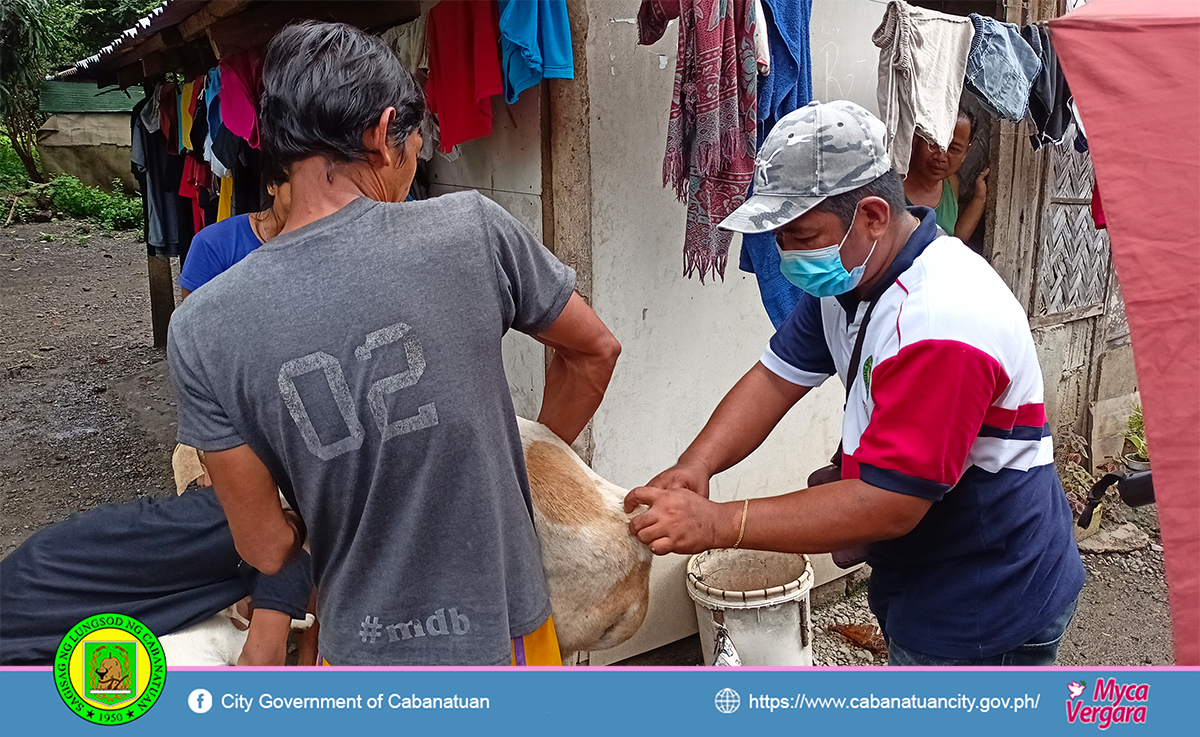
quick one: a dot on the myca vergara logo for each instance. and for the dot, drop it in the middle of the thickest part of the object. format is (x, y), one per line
(1112, 703)
(110, 669)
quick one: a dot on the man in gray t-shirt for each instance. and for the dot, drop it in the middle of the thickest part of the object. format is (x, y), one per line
(355, 362)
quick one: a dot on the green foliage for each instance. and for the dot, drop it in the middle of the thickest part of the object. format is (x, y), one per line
(1071, 452)
(30, 36)
(97, 23)
(1136, 434)
(40, 37)
(67, 196)
(13, 177)
(26, 207)
(25, 42)
(114, 211)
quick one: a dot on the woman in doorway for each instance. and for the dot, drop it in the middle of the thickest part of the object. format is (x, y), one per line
(932, 180)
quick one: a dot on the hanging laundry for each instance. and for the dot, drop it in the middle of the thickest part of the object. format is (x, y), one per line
(208, 202)
(168, 111)
(464, 69)
(408, 43)
(241, 88)
(535, 43)
(213, 108)
(211, 90)
(922, 64)
(225, 199)
(138, 143)
(787, 87)
(150, 115)
(194, 104)
(1050, 95)
(762, 47)
(168, 221)
(1001, 68)
(712, 130)
(194, 186)
(199, 117)
(1098, 209)
(225, 149)
(1081, 143)
(219, 169)
(224, 87)
(179, 122)
(187, 108)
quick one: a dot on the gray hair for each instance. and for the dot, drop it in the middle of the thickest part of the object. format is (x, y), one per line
(888, 187)
(972, 122)
(324, 85)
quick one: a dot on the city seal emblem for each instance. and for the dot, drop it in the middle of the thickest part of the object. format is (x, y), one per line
(110, 669)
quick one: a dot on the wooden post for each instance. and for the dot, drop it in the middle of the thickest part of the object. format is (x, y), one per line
(569, 193)
(567, 175)
(1015, 194)
(162, 297)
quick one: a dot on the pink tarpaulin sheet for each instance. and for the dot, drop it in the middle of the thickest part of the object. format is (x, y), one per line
(1134, 69)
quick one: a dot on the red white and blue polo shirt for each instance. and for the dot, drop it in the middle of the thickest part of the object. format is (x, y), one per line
(948, 407)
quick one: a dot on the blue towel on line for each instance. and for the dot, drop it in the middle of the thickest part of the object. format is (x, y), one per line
(786, 88)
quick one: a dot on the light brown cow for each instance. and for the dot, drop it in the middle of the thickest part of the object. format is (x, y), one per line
(599, 574)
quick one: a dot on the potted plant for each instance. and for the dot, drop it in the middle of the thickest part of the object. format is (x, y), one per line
(1139, 459)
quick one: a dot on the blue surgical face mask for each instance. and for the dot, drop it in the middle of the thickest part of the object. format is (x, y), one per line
(820, 272)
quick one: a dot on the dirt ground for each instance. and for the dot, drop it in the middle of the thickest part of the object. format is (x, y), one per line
(1122, 619)
(86, 417)
(74, 322)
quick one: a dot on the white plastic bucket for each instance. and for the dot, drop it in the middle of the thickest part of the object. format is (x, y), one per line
(762, 600)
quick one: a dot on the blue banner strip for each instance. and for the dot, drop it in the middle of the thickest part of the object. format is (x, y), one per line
(619, 702)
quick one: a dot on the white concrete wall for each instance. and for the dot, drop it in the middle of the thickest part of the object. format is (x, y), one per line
(507, 168)
(685, 344)
(845, 63)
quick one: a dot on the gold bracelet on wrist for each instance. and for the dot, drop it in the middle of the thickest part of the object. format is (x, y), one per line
(742, 531)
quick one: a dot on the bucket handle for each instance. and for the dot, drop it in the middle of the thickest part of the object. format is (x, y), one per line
(804, 623)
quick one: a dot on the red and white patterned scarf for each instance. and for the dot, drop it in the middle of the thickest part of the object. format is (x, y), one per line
(712, 130)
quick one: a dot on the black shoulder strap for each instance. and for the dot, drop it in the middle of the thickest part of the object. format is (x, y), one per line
(856, 356)
(852, 372)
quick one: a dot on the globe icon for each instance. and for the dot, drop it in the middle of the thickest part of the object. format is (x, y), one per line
(728, 701)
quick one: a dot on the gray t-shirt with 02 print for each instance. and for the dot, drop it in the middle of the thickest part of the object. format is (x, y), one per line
(359, 358)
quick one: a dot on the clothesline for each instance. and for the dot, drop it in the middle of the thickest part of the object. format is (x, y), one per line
(1023, 5)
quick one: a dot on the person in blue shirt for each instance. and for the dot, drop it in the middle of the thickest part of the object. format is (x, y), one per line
(219, 246)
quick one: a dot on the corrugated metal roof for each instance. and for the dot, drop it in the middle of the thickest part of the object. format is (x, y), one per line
(82, 97)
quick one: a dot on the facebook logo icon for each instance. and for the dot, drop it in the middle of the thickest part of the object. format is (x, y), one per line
(200, 700)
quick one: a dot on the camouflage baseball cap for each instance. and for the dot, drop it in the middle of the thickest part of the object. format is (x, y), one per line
(820, 150)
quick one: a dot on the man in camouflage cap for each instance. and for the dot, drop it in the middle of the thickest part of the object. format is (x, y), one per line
(946, 466)
(811, 154)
